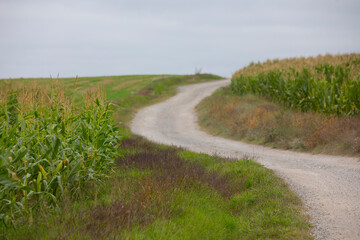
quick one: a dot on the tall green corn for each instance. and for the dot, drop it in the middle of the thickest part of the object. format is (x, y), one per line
(322, 88)
(49, 149)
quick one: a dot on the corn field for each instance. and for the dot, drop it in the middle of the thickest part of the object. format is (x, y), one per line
(323, 87)
(49, 147)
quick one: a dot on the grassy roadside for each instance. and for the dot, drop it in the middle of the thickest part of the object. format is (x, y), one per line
(262, 120)
(160, 192)
(258, 120)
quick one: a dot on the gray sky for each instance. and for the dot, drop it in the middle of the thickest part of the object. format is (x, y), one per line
(108, 37)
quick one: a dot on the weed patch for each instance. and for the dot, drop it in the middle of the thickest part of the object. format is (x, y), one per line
(171, 171)
(168, 193)
(259, 120)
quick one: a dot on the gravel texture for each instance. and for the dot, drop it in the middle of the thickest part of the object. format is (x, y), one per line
(328, 185)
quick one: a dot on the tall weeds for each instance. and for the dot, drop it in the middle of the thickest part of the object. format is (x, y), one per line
(50, 147)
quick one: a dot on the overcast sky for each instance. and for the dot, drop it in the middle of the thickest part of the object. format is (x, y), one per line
(118, 37)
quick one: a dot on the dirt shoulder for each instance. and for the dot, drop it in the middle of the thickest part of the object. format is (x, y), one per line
(328, 185)
(258, 120)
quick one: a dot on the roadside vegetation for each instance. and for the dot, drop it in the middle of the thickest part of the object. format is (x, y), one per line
(307, 104)
(161, 192)
(74, 174)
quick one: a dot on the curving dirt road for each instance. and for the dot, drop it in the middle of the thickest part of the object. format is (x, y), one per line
(328, 185)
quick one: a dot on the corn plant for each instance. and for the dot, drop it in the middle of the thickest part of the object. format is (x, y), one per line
(331, 89)
(49, 147)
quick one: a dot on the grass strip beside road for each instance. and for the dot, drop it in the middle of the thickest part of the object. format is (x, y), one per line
(259, 118)
(162, 192)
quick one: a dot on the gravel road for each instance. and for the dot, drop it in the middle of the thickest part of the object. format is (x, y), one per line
(328, 185)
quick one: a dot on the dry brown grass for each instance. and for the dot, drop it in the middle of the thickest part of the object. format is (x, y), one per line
(33, 95)
(258, 120)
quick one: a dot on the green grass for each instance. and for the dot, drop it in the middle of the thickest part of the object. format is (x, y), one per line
(160, 192)
(176, 194)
